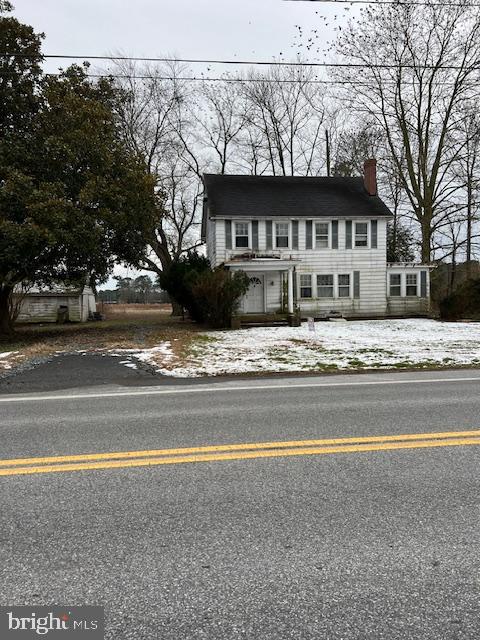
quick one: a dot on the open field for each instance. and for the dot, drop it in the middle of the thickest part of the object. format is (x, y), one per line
(119, 311)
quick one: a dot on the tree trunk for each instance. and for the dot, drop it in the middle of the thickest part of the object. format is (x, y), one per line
(177, 309)
(426, 241)
(469, 227)
(6, 323)
(327, 144)
(453, 272)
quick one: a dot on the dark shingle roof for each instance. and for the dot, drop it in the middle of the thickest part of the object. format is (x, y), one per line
(259, 196)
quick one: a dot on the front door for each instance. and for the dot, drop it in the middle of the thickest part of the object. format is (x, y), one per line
(254, 301)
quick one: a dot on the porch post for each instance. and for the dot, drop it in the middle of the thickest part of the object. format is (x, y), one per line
(290, 290)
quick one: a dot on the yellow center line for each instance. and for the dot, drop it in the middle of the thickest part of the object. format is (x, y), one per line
(241, 455)
(252, 446)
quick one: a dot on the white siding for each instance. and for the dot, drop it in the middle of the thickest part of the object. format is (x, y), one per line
(44, 307)
(273, 289)
(211, 238)
(371, 263)
(407, 305)
(38, 308)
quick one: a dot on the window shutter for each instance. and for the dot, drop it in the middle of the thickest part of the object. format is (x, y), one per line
(269, 234)
(294, 234)
(374, 234)
(423, 284)
(348, 234)
(356, 284)
(335, 234)
(228, 234)
(308, 236)
(254, 234)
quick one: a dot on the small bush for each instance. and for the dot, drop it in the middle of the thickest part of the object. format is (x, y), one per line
(462, 303)
(209, 296)
(217, 295)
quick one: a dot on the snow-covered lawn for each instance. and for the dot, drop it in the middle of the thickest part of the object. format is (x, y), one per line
(333, 346)
(372, 344)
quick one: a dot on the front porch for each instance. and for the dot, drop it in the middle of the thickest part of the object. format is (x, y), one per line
(270, 298)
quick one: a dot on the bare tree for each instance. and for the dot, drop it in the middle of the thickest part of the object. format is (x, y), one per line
(468, 172)
(417, 66)
(221, 111)
(153, 117)
(353, 146)
(284, 128)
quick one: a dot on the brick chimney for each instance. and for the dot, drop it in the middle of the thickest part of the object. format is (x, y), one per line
(370, 176)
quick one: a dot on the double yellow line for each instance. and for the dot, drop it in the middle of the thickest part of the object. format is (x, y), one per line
(247, 451)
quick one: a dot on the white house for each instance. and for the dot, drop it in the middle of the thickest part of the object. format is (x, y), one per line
(49, 305)
(318, 244)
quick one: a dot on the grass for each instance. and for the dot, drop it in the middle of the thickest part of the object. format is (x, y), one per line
(124, 327)
(147, 326)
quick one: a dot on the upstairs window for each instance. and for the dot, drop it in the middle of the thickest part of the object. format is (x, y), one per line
(325, 286)
(361, 234)
(305, 286)
(281, 235)
(344, 285)
(241, 235)
(395, 284)
(411, 288)
(322, 235)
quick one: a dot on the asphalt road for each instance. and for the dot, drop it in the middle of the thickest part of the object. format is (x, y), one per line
(375, 544)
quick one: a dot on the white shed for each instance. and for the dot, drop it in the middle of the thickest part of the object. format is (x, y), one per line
(47, 305)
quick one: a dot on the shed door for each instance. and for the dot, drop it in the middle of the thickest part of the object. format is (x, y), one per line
(254, 301)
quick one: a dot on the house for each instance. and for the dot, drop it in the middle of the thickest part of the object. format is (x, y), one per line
(316, 244)
(57, 304)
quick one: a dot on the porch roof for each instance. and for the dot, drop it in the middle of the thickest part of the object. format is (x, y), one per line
(262, 264)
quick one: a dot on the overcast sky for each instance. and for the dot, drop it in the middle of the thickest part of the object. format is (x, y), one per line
(207, 29)
(186, 28)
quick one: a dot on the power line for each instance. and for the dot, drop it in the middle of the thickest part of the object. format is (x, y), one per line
(394, 2)
(228, 79)
(195, 78)
(355, 65)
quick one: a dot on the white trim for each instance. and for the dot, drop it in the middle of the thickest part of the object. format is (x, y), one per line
(403, 283)
(300, 287)
(389, 275)
(332, 297)
(350, 285)
(234, 234)
(289, 234)
(314, 235)
(417, 284)
(335, 274)
(290, 290)
(260, 265)
(354, 234)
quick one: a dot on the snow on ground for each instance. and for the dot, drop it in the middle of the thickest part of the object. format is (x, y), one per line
(6, 358)
(6, 354)
(372, 344)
